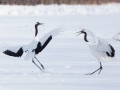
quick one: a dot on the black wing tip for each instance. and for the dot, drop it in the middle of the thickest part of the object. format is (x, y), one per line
(112, 53)
(113, 50)
(11, 53)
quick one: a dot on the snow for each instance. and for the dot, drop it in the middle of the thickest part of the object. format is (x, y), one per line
(67, 58)
(59, 9)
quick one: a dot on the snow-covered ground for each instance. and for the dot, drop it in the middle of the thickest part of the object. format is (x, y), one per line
(67, 57)
(59, 9)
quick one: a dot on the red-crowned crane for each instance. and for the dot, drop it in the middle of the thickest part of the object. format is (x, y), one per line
(100, 48)
(35, 47)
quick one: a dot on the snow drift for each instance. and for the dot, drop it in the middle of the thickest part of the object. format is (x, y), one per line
(59, 9)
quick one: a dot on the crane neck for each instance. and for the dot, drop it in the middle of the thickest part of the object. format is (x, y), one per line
(95, 42)
(36, 30)
(85, 37)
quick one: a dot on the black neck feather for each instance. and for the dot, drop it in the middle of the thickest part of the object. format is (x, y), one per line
(36, 30)
(85, 37)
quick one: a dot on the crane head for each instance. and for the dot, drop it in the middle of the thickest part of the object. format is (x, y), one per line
(37, 23)
(80, 32)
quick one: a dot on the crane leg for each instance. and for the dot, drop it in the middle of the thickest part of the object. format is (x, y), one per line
(40, 63)
(36, 64)
(96, 70)
(100, 68)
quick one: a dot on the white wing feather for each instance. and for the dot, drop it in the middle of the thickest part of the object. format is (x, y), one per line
(52, 33)
(117, 37)
(103, 45)
(12, 48)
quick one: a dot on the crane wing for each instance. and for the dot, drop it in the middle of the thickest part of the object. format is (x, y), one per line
(104, 46)
(43, 42)
(13, 51)
(46, 39)
(117, 37)
(51, 34)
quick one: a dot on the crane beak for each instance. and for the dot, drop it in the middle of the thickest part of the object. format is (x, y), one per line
(79, 33)
(41, 23)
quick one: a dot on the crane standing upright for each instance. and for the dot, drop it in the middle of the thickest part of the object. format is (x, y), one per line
(100, 48)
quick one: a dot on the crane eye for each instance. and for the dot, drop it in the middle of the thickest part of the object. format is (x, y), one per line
(33, 50)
